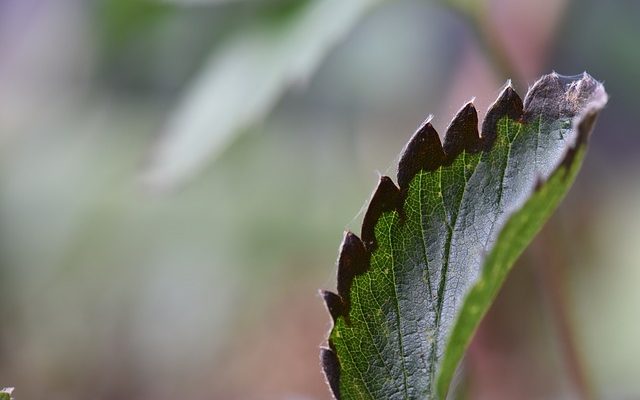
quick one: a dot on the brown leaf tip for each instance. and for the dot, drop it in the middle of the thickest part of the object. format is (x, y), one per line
(334, 304)
(331, 369)
(352, 262)
(508, 104)
(385, 198)
(423, 152)
(462, 134)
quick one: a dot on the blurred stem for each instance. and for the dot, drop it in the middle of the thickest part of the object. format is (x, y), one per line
(550, 264)
(476, 15)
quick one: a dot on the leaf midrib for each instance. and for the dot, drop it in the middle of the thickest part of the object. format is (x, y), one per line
(445, 264)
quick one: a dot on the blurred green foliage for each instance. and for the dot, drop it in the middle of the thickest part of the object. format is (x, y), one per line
(122, 20)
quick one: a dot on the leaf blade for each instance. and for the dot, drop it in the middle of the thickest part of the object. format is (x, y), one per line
(426, 242)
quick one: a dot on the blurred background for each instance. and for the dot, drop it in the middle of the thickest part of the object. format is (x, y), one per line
(175, 177)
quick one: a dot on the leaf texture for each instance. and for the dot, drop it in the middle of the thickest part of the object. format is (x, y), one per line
(435, 249)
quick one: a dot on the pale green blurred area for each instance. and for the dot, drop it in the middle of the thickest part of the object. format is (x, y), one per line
(205, 287)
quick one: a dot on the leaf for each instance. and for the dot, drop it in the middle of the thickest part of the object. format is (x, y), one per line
(5, 394)
(435, 251)
(242, 81)
(122, 19)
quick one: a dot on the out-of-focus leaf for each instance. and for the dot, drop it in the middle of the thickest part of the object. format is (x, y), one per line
(5, 394)
(122, 19)
(435, 251)
(243, 80)
(202, 2)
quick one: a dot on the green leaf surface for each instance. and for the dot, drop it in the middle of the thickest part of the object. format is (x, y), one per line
(434, 251)
(5, 394)
(243, 80)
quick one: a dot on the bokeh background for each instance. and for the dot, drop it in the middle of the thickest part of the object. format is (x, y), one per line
(175, 177)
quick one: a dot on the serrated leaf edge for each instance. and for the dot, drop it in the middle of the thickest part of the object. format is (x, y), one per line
(424, 151)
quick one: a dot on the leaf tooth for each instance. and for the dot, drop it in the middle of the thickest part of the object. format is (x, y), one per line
(423, 152)
(352, 262)
(507, 104)
(385, 198)
(537, 102)
(331, 369)
(334, 304)
(462, 133)
(576, 95)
